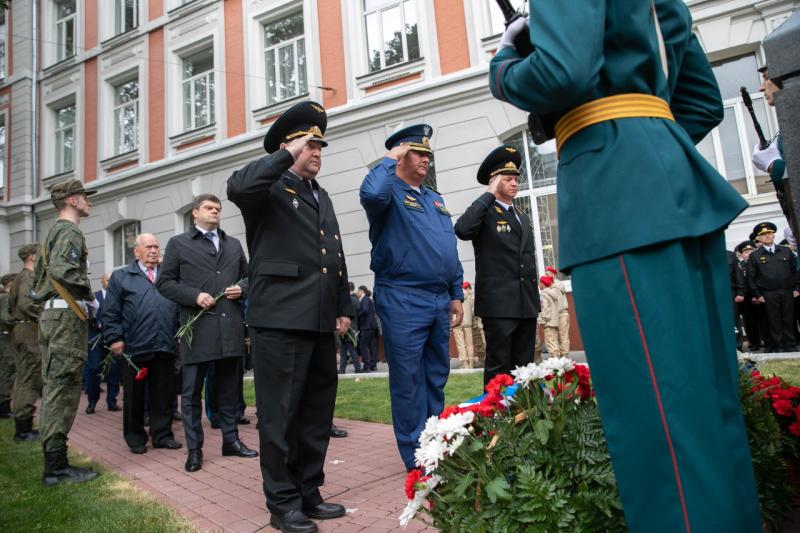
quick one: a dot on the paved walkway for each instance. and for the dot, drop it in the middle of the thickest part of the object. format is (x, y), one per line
(364, 473)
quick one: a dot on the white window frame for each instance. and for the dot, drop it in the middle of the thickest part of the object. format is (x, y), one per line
(120, 248)
(3, 144)
(211, 81)
(117, 112)
(276, 48)
(61, 24)
(119, 17)
(534, 193)
(390, 4)
(60, 134)
(3, 45)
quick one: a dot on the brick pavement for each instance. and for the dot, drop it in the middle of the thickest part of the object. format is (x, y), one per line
(364, 473)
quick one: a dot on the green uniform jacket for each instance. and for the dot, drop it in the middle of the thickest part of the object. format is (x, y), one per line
(66, 253)
(22, 305)
(626, 183)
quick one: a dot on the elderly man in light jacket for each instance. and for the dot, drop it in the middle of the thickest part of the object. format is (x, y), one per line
(554, 309)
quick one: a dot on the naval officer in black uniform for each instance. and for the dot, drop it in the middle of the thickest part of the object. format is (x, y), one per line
(298, 299)
(772, 276)
(506, 294)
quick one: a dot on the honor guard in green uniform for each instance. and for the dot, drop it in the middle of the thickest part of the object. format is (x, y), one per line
(641, 217)
(28, 373)
(62, 287)
(6, 348)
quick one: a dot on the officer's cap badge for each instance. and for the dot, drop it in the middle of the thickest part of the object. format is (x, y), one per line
(510, 150)
(317, 108)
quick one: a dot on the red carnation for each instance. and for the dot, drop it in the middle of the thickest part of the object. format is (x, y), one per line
(794, 428)
(783, 407)
(141, 375)
(411, 480)
(452, 410)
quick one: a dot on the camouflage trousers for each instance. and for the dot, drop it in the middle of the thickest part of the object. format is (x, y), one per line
(7, 365)
(64, 340)
(28, 372)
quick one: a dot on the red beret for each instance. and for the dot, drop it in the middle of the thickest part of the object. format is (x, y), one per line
(554, 270)
(466, 285)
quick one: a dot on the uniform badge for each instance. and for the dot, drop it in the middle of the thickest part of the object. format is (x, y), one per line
(410, 198)
(413, 205)
(502, 226)
(290, 190)
(498, 210)
(441, 208)
(295, 203)
(763, 259)
(73, 254)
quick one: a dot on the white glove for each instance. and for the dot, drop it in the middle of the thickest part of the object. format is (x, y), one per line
(763, 159)
(513, 29)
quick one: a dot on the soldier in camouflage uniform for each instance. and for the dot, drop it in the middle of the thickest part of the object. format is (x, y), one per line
(28, 378)
(6, 348)
(62, 286)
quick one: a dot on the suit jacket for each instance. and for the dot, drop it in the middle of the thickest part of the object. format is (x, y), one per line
(634, 182)
(505, 262)
(366, 313)
(298, 276)
(772, 272)
(192, 265)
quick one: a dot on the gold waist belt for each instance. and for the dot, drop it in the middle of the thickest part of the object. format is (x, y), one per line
(609, 108)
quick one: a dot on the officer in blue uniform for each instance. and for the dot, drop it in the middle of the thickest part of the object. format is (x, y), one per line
(418, 280)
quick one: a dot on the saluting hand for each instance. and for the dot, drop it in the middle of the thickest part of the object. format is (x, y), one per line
(295, 146)
(205, 300)
(456, 313)
(234, 292)
(342, 325)
(398, 152)
(494, 183)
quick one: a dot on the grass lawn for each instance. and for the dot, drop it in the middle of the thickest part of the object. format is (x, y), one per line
(107, 503)
(368, 398)
(788, 369)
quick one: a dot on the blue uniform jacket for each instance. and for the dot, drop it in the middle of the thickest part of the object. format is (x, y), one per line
(413, 242)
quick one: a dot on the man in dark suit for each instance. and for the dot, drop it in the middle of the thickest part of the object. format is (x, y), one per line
(506, 295)
(139, 322)
(205, 269)
(368, 324)
(298, 301)
(772, 276)
(95, 356)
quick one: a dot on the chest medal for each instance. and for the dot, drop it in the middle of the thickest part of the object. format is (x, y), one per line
(295, 203)
(502, 226)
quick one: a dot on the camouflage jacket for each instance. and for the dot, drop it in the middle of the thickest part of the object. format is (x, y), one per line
(6, 320)
(21, 302)
(64, 260)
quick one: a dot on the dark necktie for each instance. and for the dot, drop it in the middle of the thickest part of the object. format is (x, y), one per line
(514, 221)
(310, 187)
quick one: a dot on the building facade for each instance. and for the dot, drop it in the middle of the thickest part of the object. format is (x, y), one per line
(154, 101)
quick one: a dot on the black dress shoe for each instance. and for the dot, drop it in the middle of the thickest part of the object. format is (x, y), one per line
(325, 511)
(243, 420)
(170, 444)
(292, 522)
(90, 409)
(195, 461)
(114, 407)
(338, 433)
(238, 449)
(139, 449)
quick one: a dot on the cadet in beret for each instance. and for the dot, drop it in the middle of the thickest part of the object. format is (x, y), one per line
(25, 311)
(6, 348)
(62, 287)
(298, 298)
(418, 279)
(506, 294)
(641, 218)
(772, 276)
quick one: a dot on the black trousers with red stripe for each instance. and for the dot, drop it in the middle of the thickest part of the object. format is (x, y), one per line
(657, 326)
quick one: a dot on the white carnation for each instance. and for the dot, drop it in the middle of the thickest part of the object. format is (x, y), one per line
(525, 375)
(558, 365)
(419, 498)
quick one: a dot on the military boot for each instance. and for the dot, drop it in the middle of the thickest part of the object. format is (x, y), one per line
(24, 431)
(58, 470)
(5, 409)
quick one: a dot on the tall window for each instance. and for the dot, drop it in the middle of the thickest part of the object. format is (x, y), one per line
(65, 29)
(285, 56)
(124, 239)
(188, 220)
(497, 24)
(537, 195)
(126, 117)
(392, 35)
(2, 151)
(126, 15)
(3, 38)
(198, 89)
(729, 146)
(65, 138)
